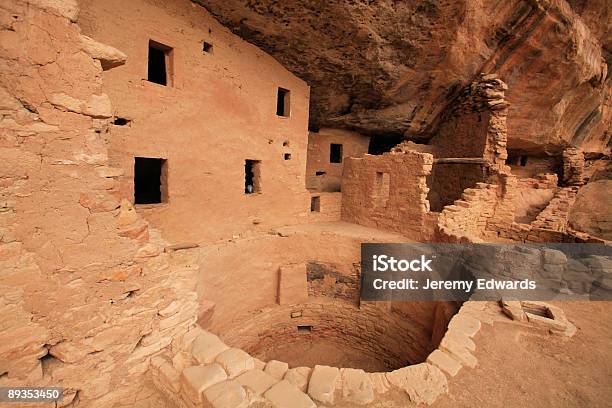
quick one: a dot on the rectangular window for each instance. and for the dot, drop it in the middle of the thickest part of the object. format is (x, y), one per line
(150, 180)
(335, 153)
(287, 156)
(252, 176)
(304, 329)
(382, 189)
(315, 204)
(283, 102)
(160, 63)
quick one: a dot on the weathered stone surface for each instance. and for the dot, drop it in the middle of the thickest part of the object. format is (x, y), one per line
(412, 84)
(379, 382)
(299, 377)
(444, 362)
(356, 386)
(235, 361)
(256, 380)
(465, 324)
(286, 395)
(196, 379)
(422, 382)
(323, 383)
(206, 347)
(276, 369)
(109, 57)
(227, 394)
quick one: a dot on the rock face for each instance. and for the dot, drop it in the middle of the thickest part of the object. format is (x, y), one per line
(392, 67)
(591, 211)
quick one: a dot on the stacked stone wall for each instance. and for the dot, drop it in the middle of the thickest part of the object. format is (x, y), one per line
(387, 191)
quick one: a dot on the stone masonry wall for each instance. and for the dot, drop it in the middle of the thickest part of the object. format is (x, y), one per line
(87, 294)
(474, 128)
(387, 191)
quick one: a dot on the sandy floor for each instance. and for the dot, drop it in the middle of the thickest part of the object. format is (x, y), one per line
(522, 368)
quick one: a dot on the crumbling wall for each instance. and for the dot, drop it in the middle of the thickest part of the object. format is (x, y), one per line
(573, 166)
(474, 127)
(321, 174)
(87, 294)
(220, 110)
(387, 191)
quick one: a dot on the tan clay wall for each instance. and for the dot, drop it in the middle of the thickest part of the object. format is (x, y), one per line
(329, 207)
(353, 145)
(387, 192)
(220, 111)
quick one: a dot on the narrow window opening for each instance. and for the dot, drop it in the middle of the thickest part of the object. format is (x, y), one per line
(287, 156)
(320, 173)
(150, 180)
(335, 153)
(207, 47)
(382, 189)
(523, 161)
(160, 63)
(315, 204)
(283, 102)
(304, 329)
(252, 176)
(121, 121)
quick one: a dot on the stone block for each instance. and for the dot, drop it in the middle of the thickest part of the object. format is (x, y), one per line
(257, 381)
(206, 347)
(196, 379)
(465, 324)
(356, 386)
(235, 361)
(276, 368)
(226, 394)
(323, 383)
(292, 284)
(422, 382)
(286, 395)
(444, 362)
(299, 377)
(379, 382)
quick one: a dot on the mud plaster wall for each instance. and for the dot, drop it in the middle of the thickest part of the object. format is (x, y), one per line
(76, 289)
(220, 111)
(329, 207)
(353, 145)
(387, 191)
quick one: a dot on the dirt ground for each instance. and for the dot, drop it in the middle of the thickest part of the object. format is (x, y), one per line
(519, 367)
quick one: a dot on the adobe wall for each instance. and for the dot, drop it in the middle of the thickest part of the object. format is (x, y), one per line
(328, 209)
(220, 111)
(387, 191)
(87, 294)
(353, 145)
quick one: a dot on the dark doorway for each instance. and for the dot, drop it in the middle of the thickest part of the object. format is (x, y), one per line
(315, 204)
(283, 102)
(252, 173)
(335, 153)
(160, 63)
(149, 180)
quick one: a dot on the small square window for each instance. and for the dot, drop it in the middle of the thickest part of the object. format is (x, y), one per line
(335, 153)
(304, 329)
(207, 47)
(287, 156)
(150, 180)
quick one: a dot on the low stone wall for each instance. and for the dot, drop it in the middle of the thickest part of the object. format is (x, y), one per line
(204, 370)
(387, 191)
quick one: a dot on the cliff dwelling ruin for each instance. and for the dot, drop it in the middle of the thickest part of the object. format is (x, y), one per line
(186, 186)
